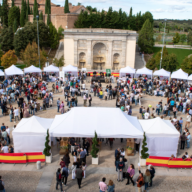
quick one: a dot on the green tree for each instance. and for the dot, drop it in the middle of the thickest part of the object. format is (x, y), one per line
(41, 16)
(8, 59)
(31, 12)
(189, 38)
(170, 62)
(5, 12)
(46, 7)
(59, 62)
(1, 54)
(176, 38)
(15, 25)
(183, 38)
(160, 26)
(151, 64)
(35, 9)
(66, 8)
(47, 149)
(14, 13)
(146, 41)
(144, 154)
(48, 19)
(186, 65)
(6, 38)
(94, 150)
(13, 3)
(53, 36)
(28, 8)
(23, 14)
(149, 16)
(60, 32)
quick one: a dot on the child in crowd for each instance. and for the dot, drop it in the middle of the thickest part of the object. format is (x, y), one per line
(84, 168)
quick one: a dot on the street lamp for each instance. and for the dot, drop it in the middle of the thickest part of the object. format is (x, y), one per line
(163, 44)
(37, 17)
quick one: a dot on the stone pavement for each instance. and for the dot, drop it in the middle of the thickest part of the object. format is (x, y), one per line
(28, 178)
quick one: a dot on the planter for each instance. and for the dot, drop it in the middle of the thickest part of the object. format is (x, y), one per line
(142, 162)
(95, 161)
(63, 151)
(48, 159)
(129, 151)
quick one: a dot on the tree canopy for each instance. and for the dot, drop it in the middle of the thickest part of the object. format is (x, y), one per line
(8, 59)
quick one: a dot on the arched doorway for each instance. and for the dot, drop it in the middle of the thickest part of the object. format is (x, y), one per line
(99, 56)
(82, 60)
(116, 58)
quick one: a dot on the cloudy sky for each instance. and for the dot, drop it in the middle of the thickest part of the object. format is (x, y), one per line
(170, 9)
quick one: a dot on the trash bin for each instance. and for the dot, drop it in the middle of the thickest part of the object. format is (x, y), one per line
(38, 164)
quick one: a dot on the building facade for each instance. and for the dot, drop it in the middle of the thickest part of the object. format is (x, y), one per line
(100, 49)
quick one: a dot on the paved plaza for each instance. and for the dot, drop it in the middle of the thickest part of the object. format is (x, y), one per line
(21, 177)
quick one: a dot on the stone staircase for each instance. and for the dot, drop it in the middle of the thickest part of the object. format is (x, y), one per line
(138, 59)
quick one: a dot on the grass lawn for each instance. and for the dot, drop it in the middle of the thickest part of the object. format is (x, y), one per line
(181, 53)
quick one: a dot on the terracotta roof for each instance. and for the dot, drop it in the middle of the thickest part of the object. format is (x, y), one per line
(42, 2)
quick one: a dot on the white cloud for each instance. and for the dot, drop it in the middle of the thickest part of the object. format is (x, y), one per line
(158, 10)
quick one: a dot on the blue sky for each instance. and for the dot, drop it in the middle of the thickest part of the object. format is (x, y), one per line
(170, 9)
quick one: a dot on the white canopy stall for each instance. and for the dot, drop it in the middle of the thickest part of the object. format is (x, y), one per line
(13, 70)
(143, 72)
(190, 79)
(162, 137)
(1, 73)
(30, 133)
(70, 69)
(51, 69)
(126, 70)
(162, 73)
(179, 74)
(32, 69)
(107, 122)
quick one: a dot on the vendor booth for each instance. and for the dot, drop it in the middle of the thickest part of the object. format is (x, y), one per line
(179, 74)
(52, 72)
(162, 73)
(13, 70)
(32, 69)
(126, 71)
(84, 69)
(1, 73)
(30, 133)
(162, 137)
(72, 70)
(144, 72)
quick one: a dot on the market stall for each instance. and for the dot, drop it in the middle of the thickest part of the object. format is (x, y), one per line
(162, 73)
(179, 74)
(143, 72)
(72, 70)
(1, 73)
(32, 69)
(52, 72)
(126, 71)
(13, 70)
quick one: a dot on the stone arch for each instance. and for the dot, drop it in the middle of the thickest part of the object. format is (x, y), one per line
(99, 55)
(116, 61)
(82, 60)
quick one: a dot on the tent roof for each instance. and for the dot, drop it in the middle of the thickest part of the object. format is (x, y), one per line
(13, 70)
(1, 73)
(51, 68)
(70, 68)
(107, 122)
(32, 69)
(127, 70)
(162, 72)
(158, 127)
(145, 71)
(190, 77)
(179, 74)
(32, 125)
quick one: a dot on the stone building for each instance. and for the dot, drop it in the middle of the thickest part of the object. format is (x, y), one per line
(100, 48)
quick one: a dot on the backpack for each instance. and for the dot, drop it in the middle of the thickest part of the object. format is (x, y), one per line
(1, 185)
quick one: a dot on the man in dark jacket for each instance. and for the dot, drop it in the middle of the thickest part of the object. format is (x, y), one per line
(79, 175)
(58, 179)
(65, 175)
(120, 167)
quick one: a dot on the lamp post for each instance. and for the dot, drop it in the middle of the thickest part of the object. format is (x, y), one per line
(163, 44)
(37, 17)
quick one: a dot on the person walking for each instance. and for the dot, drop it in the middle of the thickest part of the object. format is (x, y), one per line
(58, 179)
(85, 100)
(188, 121)
(90, 99)
(65, 174)
(147, 178)
(58, 104)
(120, 167)
(140, 182)
(130, 174)
(102, 185)
(66, 159)
(188, 139)
(16, 114)
(152, 171)
(111, 186)
(79, 175)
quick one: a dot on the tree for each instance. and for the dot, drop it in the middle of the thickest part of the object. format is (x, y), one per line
(41, 16)
(4, 12)
(170, 62)
(151, 64)
(144, 154)
(30, 55)
(186, 65)
(94, 150)
(28, 8)
(13, 3)
(6, 38)
(15, 25)
(53, 36)
(59, 62)
(183, 38)
(47, 7)
(47, 149)
(14, 13)
(158, 56)
(48, 19)
(176, 38)
(146, 41)
(158, 38)
(31, 12)
(8, 59)
(1, 54)
(149, 16)
(189, 38)
(23, 14)
(160, 26)
(60, 32)
(66, 8)
(35, 9)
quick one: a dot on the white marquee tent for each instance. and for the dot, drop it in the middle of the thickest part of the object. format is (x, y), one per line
(124, 71)
(71, 69)
(13, 70)
(179, 74)
(32, 69)
(107, 122)
(144, 71)
(1, 73)
(162, 137)
(190, 78)
(51, 68)
(30, 133)
(162, 72)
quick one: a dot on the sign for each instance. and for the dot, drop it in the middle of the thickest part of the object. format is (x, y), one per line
(108, 71)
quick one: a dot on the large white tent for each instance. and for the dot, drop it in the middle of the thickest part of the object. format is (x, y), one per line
(179, 74)
(30, 133)
(162, 137)
(107, 122)
(32, 69)
(13, 70)
(162, 72)
(126, 70)
(51, 68)
(1, 73)
(71, 69)
(144, 71)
